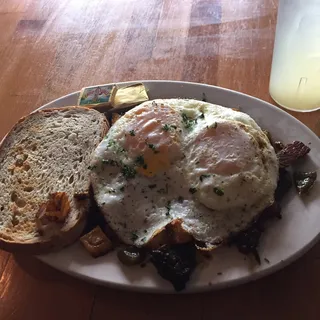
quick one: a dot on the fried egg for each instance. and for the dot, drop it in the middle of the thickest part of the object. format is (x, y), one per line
(208, 167)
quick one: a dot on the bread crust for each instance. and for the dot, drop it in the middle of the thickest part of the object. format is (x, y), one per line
(72, 232)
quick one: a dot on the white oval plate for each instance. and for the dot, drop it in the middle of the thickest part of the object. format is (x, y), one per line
(283, 242)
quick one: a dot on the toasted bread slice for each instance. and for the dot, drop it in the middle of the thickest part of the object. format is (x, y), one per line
(47, 153)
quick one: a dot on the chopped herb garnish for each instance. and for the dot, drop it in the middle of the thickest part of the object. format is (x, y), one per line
(111, 143)
(140, 161)
(188, 123)
(121, 189)
(134, 236)
(92, 167)
(193, 190)
(111, 190)
(185, 118)
(116, 146)
(201, 116)
(203, 176)
(143, 239)
(145, 231)
(180, 199)
(152, 186)
(166, 127)
(152, 147)
(128, 172)
(110, 162)
(218, 191)
(132, 133)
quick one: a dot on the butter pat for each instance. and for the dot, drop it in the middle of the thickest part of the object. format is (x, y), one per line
(130, 95)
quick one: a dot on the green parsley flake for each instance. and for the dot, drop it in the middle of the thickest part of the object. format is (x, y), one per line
(188, 123)
(152, 147)
(166, 127)
(193, 190)
(218, 191)
(111, 143)
(140, 160)
(115, 146)
(128, 172)
(132, 133)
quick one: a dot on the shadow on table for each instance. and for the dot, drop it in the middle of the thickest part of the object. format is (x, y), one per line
(37, 269)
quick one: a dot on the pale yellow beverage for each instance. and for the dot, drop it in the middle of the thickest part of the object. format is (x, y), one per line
(295, 72)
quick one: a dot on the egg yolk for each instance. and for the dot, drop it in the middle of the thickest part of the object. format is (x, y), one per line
(152, 137)
(224, 149)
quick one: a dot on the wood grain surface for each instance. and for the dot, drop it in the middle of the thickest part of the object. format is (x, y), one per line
(51, 48)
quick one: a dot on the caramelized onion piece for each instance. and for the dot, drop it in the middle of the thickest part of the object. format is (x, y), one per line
(291, 152)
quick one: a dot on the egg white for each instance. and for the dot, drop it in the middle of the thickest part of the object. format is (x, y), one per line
(211, 167)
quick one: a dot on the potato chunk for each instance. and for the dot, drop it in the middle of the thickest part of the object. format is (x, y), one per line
(96, 242)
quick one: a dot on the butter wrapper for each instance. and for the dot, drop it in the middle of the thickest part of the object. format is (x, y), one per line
(129, 95)
(105, 98)
(96, 96)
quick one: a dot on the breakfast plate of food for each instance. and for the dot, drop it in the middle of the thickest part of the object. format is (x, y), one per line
(160, 186)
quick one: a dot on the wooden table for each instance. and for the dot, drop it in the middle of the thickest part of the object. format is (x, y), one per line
(50, 48)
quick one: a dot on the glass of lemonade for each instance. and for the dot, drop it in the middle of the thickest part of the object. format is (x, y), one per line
(295, 71)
